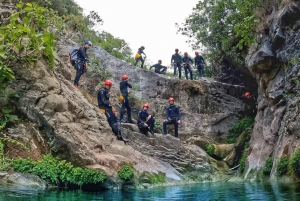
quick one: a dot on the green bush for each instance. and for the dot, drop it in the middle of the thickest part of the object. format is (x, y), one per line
(238, 128)
(58, 171)
(210, 149)
(158, 178)
(242, 162)
(282, 166)
(126, 172)
(295, 163)
(268, 166)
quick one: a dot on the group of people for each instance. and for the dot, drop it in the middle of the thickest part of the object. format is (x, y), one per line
(178, 62)
(146, 122)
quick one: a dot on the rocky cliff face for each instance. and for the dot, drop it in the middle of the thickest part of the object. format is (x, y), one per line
(275, 62)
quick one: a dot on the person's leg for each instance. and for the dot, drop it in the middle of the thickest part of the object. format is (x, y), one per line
(142, 60)
(199, 70)
(202, 70)
(151, 124)
(186, 73)
(165, 125)
(127, 105)
(191, 72)
(175, 67)
(79, 72)
(176, 128)
(111, 121)
(136, 61)
(122, 109)
(179, 71)
(164, 70)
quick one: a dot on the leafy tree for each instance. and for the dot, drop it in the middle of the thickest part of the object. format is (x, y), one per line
(224, 27)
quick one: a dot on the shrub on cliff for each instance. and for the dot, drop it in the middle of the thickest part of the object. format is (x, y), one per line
(126, 172)
(58, 171)
(282, 166)
(268, 166)
(238, 128)
(295, 163)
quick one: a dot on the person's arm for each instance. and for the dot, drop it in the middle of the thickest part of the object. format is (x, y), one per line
(82, 54)
(128, 85)
(139, 117)
(172, 59)
(167, 113)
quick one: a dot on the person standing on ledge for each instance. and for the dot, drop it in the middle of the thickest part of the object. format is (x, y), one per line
(176, 60)
(172, 117)
(125, 103)
(82, 61)
(199, 62)
(110, 113)
(138, 56)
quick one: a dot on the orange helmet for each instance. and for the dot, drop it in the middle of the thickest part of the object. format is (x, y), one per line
(196, 53)
(247, 94)
(108, 82)
(171, 99)
(176, 50)
(185, 54)
(124, 77)
(146, 105)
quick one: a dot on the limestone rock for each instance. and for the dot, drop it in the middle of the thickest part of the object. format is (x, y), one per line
(23, 180)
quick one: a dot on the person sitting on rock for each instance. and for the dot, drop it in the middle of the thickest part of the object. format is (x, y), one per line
(138, 56)
(173, 117)
(187, 65)
(251, 105)
(199, 62)
(106, 107)
(159, 69)
(125, 103)
(145, 121)
(176, 60)
(82, 61)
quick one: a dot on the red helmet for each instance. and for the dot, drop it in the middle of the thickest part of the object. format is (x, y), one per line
(185, 54)
(196, 53)
(143, 47)
(247, 94)
(124, 77)
(171, 99)
(146, 105)
(176, 50)
(108, 82)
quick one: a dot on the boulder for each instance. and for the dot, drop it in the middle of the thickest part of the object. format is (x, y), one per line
(19, 179)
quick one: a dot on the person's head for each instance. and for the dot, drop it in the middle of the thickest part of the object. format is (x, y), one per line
(196, 53)
(107, 84)
(143, 47)
(124, 77)
(145, 106)
(247, 95)
(171, 100)
(176, 50)
(185, 54)
(88, 44)
(159, 61)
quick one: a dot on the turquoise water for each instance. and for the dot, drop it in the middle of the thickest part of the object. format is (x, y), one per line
(208, 191)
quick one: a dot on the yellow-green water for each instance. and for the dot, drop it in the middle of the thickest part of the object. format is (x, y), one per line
(198, 192)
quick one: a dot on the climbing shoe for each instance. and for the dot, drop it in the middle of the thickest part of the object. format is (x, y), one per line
(152, 132)
(121, 137)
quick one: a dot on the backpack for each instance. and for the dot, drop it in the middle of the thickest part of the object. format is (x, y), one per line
(73, 56)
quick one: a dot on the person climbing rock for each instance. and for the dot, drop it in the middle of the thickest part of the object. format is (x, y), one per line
(145, 121)
(106, 107)
(138, 56)
(199, 62)
(125, 103)
(81, 64)
(173, 117)
(187, 65)
(159, 69)
(176, 60)
(251, 104)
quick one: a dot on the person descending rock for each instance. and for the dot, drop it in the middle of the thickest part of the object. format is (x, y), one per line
(145, 121)
(176, 60)
(106, 107)
(199, 62)
(124, 97)
(159, 69)
(187, 65)
(82, 61)
(251, 104)
(173, 117)
(138, 56)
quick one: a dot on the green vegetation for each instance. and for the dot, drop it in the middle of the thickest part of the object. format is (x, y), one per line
(126, 172)
(157, 178)
(97, 70)
(210, 149)
(242, 162)
(238, 128)
(226, 28)
(58, 171)
(268, 166)
(282, 166)
(295, 163)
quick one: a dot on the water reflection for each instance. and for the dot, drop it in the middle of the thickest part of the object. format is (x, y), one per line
(199, 192)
